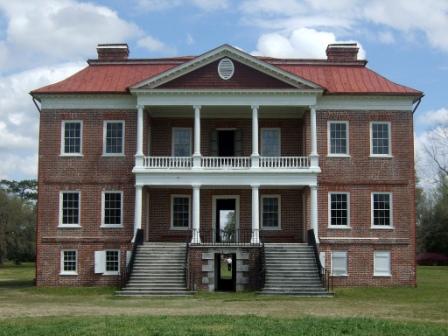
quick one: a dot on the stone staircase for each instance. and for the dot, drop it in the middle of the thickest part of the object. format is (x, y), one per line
(159, 269)
(292, 269)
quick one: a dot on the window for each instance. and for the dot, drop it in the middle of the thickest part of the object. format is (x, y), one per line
(112, 208)
(380, 139)
(382, 210)
(381, 263)
(339, 209)
(270, 212)
(112, 262)
(71, 138)
(270, 142)
(181, 141)
(69, 264)
(338, 138)
(180, 212)
(339, 264)
(69, 208)
(113, 138)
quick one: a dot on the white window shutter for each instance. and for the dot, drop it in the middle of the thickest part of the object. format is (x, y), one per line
(382, 263)
(339, 263)
(100, 262)
(322, 259)
(128, 257)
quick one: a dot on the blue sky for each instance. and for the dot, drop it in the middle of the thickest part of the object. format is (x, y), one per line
(42, 41)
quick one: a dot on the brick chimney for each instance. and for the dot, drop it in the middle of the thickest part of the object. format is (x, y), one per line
(112, 52)
(342, 52)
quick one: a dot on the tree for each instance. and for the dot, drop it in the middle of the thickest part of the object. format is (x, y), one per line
(25, 189)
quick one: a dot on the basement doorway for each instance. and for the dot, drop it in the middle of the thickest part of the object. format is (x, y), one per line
(225, 268)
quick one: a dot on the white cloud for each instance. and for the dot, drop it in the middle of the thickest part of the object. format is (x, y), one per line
(158, 5)
(301, 43)
(44, 31)
(210, 5)
(434, 117)
(386, 37)
(17, 167)
(154, 45)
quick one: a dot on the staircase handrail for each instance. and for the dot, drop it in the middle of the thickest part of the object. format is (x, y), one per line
(324, 274)
(128, 269)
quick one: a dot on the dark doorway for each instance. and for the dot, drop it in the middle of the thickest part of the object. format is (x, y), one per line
(225, 230)
(226, 271)
(226, 143)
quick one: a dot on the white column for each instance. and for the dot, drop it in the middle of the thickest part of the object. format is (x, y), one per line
(313, 212)
(139, 152)
(196, 237)
(138, 209)
(255, 215)
(255, 155)
(197, 137)
(314, 156)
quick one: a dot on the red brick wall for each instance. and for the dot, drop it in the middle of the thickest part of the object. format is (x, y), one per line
(244, 77)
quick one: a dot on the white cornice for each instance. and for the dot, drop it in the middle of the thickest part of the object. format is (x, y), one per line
(365, 103)
(233, 53)
(88, 101)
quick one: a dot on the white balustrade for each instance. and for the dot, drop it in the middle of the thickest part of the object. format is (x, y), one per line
(167, 162)
(232, 162)
(296, 162)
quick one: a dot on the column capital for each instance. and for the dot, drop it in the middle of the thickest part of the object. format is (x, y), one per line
(255, 186)
(140, 107)
(197, 107)
(196, 185)
(312, 107)
(255, 107)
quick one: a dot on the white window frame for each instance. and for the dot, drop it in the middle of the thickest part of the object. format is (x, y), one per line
(61, 197)
(389, 127)
(333, 253)
(62, 271)
(62, 145)
(279, 199)
(330, 226)
(173, 129)
(262, 130)
(106, 272)
(391, 212)
(103, 209)
(105, 122)
(172, 227)
(381, 254)
(347, 153)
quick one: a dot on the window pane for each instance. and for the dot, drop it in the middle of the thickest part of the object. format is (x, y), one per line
(70, 208)
(339, 209)
(380, 138)
(69, 261)
(72, 137)
(270, 212)
(338, 138)
(339, 263)
(114, 138)
(112, 208)
(381, 209)
(181, 212)
(270, 142)
(112, 261)
(182, 141)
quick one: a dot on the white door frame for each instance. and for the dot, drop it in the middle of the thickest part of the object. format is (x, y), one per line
(237, 209)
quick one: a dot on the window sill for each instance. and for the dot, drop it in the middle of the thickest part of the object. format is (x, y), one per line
(382, 228)
(339, 275)
(111, 226)
(68, 273)
(111, 273)
(113, 155)
(271, 228)
(69, 226)
(381, 156)
(382, 275)
(339, 155)
(336, 227)
(71, 155)
(179, 228)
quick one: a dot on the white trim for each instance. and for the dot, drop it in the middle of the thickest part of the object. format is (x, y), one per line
(68, 226)
(190, 130)
(103, 210)
(279, 215)
(105, 262)
(172, 227)
(391, 212)
(279, 140)
(61, 271)
(232, 53)
(389, 155)
(237, 209)
(366, 103)
(347, 152)
(105, 122)
(341, 253)
(363, 238)
(111, 102)
(330, 226)
(62, 143)
(377, 254)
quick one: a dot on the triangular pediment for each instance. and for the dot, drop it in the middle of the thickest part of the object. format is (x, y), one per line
(249, 73)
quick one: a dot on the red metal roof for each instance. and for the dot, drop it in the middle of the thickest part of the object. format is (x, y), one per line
(335, 79)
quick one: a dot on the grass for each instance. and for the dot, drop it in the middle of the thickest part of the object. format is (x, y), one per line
(96, 311)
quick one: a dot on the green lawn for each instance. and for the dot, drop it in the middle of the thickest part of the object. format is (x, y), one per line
(26, 310)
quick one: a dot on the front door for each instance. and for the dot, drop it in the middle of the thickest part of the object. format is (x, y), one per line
(226, 143)
(225, 230)
(225, 271)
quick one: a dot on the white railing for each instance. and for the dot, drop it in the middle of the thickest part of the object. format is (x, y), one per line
(284, 162)
(230, 162)
(233, 162)
(167, 162)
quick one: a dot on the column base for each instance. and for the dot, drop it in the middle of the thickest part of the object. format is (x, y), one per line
(139, 160)
(255, 160)
(196, 237)
(314, 160)
(255, 237)
(197, 160)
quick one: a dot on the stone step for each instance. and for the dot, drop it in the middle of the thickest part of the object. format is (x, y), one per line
(153, 293)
